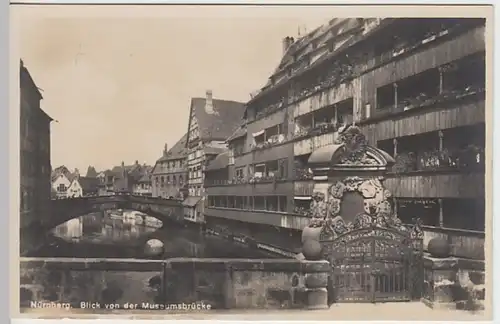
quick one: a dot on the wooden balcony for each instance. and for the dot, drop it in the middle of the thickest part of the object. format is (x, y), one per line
(464, 244)
(436, 185)
(461, 46)
(260, 217)
(308, 145)
(323, 99)
(303, 187)
(278, 151)
(464, 113)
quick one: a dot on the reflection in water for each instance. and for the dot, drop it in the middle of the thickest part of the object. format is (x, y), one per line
(123, 234)
(117, 227)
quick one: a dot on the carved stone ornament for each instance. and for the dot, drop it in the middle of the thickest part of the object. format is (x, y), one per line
(378, 209)
(355, 147)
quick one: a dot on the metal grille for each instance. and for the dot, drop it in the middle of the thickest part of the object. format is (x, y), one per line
(375, 265)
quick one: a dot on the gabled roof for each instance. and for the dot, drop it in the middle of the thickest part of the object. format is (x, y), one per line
(178, 151)
(62, 170)
(88, 184)
(222, 123)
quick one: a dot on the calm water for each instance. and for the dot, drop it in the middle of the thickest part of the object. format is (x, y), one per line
(123, 234)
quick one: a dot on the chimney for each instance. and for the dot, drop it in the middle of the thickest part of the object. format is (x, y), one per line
(136, 162)
(287, 42)
(209, 105)
(77, 173)
(123, 164)
(165, 149)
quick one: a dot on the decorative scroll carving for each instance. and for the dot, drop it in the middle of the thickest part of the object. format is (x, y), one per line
(355, 144)
(377, 206)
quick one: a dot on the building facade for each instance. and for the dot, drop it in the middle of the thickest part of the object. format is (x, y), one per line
(169, 175)
(35, 168)
(415, 87)
(143, 186)
(61, 179)
(121, 179)
(83, 187)
(211, 122)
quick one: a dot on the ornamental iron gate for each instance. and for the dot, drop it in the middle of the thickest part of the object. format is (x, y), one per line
(375, 263)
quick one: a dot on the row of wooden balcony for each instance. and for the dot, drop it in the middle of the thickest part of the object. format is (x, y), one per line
(469, 110)
(416, 184)
(335, 88)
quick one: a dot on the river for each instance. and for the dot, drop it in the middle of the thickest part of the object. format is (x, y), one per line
(124, 233)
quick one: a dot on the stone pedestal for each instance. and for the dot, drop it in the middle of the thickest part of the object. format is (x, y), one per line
(317, 294)
(453, 283)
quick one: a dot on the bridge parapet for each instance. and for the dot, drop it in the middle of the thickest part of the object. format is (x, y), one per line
(220, 283)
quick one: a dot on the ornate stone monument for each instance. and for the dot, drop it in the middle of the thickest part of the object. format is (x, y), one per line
(353, 221)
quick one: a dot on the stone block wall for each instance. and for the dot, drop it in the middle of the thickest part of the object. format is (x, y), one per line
(454, 283)
(247, 284)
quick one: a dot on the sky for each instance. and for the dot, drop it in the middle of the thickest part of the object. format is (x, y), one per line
(118, 81)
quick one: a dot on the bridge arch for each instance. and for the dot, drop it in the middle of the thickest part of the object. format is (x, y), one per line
(63, 210)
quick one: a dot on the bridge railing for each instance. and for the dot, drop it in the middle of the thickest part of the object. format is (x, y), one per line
(220, 283)
(463, 243)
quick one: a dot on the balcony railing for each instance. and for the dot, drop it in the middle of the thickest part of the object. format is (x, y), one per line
(469, 158)
(270, 109)
(303, 174)
(270, 142)
(319, 129)
(423, 100)
(463, 243)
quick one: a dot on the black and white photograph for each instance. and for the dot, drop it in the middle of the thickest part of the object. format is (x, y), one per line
(253, 162)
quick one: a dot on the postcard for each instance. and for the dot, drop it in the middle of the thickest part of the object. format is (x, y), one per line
(251, 162)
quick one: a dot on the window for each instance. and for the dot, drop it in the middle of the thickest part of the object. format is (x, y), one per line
(260, 170)
(425, 209)
(345, 112)
(174, 181)
(461, 213)
(239, 173)
(282, 203)
(168, 179)
(231, 202)
(259, 203)
(62, 187)
(238, 202)
(181, 180)
(162, 182)
(272, 203)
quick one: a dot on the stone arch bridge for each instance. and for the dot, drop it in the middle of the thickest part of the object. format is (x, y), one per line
(62, 210)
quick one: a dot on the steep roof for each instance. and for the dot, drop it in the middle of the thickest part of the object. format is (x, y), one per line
(91, 172)
(220, 124)
(62, 170)
(321, 44)
(178, 151)
(88, 184)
